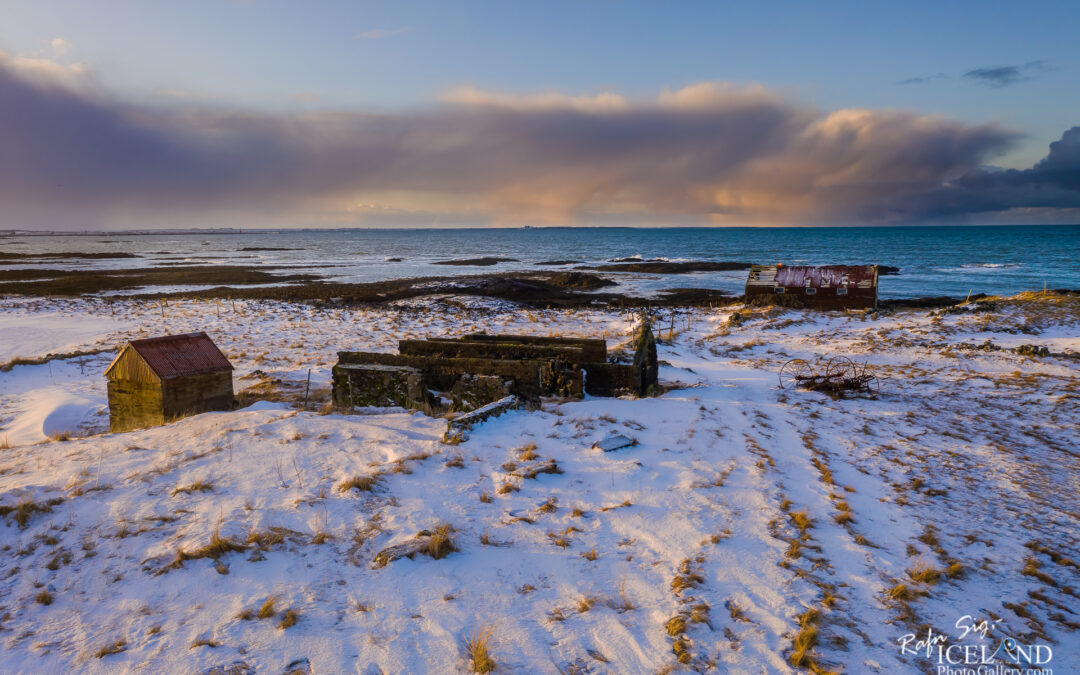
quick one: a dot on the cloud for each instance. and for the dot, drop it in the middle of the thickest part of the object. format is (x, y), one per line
(1003, 76)
(44, 69)
(1052, 183)
(60, 46)
(380, 33)
(549, 100)
(923, 79)
(1000, 76)
(709, 152)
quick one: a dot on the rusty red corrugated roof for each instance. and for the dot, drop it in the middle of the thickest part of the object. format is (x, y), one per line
(798, 276)
(178, 355)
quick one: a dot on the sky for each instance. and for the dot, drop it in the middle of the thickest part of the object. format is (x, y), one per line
(147, 113)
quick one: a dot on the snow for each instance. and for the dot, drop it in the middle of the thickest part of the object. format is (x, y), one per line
(26, 333)
(966, 456)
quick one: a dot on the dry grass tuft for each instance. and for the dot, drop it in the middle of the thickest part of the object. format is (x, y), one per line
(900, 592)
(440, 544)
(25, 509)
(681, 648)
(623, 602)
(507, 488)
(204, 642)
(924, 573)
(455, 462)
(477, 647)
(527, 452)
(623, 505)
(363, 483)
(267, 610)
(485, 497)
(288, 619)
(217, 547)
(271, 536)
(805, 640)
(586, 603)
(801, 520)
(197, 486)
(675, 626)
(114, 648)
(590, 555)
(736, 612)
(44, 598)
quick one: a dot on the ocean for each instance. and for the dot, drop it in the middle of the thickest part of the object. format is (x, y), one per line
(931, 260)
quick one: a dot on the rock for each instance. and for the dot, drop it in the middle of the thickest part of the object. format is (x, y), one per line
(534, 469)
(234, 668)
(614, 441)
(475, 391)
(475, 262)
(645, 359)
(1032, 350)
(437, 544)
(579, 280)
(298, 667)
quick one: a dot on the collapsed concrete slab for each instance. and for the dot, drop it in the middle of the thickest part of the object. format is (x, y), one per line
(530, 379)
(458, 428)
(479, 369)
(381, 385)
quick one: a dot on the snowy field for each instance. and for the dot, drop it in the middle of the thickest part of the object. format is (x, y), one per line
(750, 529)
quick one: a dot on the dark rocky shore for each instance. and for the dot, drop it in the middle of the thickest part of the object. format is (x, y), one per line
(569, 288)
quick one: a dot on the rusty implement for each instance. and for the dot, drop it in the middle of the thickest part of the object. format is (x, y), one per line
(836, 376)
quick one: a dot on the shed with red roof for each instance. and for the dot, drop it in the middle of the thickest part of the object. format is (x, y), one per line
(156, 380)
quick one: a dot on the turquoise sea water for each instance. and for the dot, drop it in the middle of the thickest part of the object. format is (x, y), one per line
(932, 260)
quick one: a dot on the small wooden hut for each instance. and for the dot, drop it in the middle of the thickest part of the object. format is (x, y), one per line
(826, 287)
(155, 380)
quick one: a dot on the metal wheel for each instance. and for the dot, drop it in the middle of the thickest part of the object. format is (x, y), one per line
(873, 385)
(793, 373)
(840, 368)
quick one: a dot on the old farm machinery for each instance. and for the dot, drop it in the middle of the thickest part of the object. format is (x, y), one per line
(837, 376)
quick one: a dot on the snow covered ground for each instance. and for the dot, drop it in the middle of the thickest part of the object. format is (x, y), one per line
(750, 529)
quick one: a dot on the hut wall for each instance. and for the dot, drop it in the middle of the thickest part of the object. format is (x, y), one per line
(193, 394)
(133, 404)
(823, 298)
(131, 367)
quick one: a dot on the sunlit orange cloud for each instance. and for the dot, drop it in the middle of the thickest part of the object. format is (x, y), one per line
(707, 153)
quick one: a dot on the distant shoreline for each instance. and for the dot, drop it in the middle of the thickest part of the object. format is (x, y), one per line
(282, 230)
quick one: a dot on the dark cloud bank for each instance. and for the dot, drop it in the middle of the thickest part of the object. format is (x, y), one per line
(70, 158)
